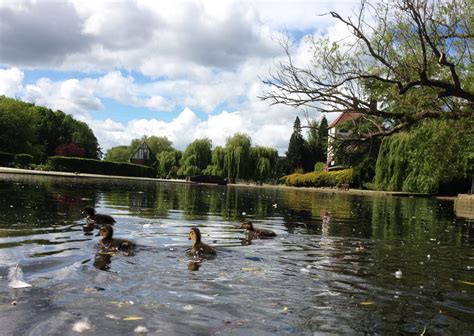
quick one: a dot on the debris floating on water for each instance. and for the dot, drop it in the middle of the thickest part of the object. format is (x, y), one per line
(132, 318)
(81, 325)
(140, 330)
(398, 274)
(188, 307)
(366, 303)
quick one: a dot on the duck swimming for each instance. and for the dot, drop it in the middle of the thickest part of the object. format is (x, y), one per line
(93, 219)
(109, 243)
(254, 232)
(198, 246)
(93, 216)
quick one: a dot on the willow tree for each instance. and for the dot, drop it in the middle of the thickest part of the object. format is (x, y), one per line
(404, 61)
(237, 156)
(217, 162)
(168, 163)
(428, 159)
(264, 160)
(196, 157)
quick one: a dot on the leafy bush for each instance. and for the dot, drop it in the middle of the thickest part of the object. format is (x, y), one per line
(319, 179)
(69, 164)
(319, 166)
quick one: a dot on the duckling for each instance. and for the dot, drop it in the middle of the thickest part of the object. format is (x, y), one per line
(198, 246)
(112, 244)
(255, 233)
(93, 217)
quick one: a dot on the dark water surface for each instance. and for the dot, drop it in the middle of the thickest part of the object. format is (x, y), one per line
(331, 269)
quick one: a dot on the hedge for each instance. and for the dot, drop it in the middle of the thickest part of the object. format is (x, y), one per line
(23, 160)
(7, 159)
(91, 166)
(319, 179)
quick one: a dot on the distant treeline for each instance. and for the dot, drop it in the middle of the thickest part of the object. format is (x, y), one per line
(238, 159)
(41, 132)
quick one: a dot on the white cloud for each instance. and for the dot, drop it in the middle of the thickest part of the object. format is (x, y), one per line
(157, 56)
(10, 81)
(69, 96)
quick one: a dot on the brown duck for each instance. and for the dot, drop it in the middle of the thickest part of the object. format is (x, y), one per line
(112, 244)
(198, 246)
(96, 218)
(253, 233)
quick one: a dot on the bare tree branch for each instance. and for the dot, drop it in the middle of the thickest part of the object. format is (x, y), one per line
(406, 60)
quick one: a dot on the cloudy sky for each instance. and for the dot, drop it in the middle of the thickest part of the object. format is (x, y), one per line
(181, 69)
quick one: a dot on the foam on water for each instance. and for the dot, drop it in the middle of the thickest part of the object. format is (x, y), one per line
(15, 277)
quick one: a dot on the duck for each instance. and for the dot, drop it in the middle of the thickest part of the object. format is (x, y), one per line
(108, 243)
(199, 247)
(254, 232)
(93, 217)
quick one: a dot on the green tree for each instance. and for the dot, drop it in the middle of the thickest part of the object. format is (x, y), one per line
(83, 136)
(318, 140)
(158, 144)
(237, 156)
(196, 157)
(298, 154)
(16, 120)
(408, 60)
(118, 154)
(428, 159)
(264, 160)
(217, 165)
(323, 138)
(168, 163)
(39, 131)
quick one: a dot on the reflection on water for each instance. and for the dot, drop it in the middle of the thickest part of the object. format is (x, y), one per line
(331, 269)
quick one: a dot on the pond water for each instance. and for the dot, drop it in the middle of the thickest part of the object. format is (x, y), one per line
(332, 269)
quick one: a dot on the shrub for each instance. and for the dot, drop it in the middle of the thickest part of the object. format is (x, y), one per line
(319, 179)
(319, 166)
(69, 164)
(23, 160)
(70, 149)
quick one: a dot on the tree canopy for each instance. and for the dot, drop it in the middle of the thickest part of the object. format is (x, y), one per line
(196, 157)
(428, 158)
(406, 61)
(297, 148)
(42, 132)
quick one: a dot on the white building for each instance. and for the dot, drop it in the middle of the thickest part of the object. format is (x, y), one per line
(337, 129)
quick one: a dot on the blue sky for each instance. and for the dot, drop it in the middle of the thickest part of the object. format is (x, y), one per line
(181, 69)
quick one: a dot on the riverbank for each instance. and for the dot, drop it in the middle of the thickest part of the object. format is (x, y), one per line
(343, 191)
(8, 170)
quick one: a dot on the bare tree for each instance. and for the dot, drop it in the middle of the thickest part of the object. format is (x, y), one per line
(406, 60)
